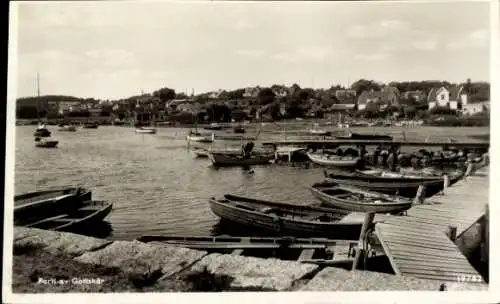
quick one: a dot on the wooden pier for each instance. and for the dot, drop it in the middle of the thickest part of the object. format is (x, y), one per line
(421, 244)
(329, 143)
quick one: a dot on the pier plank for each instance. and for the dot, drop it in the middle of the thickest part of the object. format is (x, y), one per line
(306, 254)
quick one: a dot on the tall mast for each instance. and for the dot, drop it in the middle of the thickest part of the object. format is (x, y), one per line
(38, 84)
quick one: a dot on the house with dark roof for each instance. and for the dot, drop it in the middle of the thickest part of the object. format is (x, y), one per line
(450, 97)
(415, 95)
(388, 96)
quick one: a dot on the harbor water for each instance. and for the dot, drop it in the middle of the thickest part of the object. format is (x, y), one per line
(155, 183)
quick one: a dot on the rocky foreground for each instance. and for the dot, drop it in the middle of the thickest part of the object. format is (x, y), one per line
(47, 261)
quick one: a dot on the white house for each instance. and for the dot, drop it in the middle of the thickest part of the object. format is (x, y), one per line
(474, 108)
(449, 97)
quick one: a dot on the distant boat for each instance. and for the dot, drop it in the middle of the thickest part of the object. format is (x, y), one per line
(213, 126)
(89, 213)
(146, 130)
(316, 131)
(333, 160)
(234, 160)
(44, 143)
(198, 137)
(42, 131)
(66, 128)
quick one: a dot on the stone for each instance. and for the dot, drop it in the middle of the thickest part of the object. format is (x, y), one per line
(57, 242)
(250, 273)
(139, 258)
(337, 279)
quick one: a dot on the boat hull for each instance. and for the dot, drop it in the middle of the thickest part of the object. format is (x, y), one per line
(283, 225)
(145, 131)
(406, 187)
(67, 129)
(340, 162)
(201, 139)
(40, 204)
(47, 144)
(394, 204)
(42, 133)
(227, 160)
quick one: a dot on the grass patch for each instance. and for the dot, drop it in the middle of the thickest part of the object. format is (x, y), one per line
(205, 281)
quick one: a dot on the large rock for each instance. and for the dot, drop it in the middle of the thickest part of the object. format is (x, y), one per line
(251, 273)
(138, 258)
(57, 242)
(337, 279)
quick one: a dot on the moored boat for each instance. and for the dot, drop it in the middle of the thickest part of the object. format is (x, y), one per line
(284, 219)
(47, 202)
(146, 130)
(219, 159)
(333, 160)
(43, 143)
(88, 214)
(198, 137)
(402, 184)
(66, 128)
(213, 126)
(42, 131)
(357, 136)
(358, 200)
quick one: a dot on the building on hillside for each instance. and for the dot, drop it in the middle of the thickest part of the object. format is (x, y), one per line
(344, 94)
(252, 92)
(216, 94)
(476, 107)
(388, 96)
(450, 97)
(342, 107)
(418, 96)
(368, 97)
(69, 106)
(175, 103)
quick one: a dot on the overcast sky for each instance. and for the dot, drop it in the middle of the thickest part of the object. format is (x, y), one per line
(117, 49)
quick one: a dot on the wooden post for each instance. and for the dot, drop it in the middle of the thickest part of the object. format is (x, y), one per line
(451, 232)
(366, 224)
(419, 197)
(446, 183)
(468, 172)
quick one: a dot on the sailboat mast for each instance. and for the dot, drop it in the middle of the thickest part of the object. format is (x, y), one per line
(38, 84)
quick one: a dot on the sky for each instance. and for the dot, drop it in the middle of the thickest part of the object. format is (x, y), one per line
(112, 50)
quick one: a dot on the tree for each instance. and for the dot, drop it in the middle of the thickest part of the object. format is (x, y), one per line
(181, 95)
(365, 85)
(265, 96)
(165, 94)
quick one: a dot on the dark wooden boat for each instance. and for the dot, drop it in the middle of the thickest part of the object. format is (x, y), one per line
(229, 159)
(402, 184)
(357, 136)
(35, 205)
(89, 213)
(42, 133)
(40, 143)
(358, 200)
(285, 219)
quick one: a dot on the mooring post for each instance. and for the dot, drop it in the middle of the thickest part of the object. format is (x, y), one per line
(367, 223)
(446, 183)
(451, 232)
(419, 197)
(468, 172)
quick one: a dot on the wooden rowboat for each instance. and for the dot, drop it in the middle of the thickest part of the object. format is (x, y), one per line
(405, 185)
(333, 161)
(358, 200)
(89, 213)
(146, 130)
(285, 219)
(45, 203)
(229, 159)
(46, 144)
